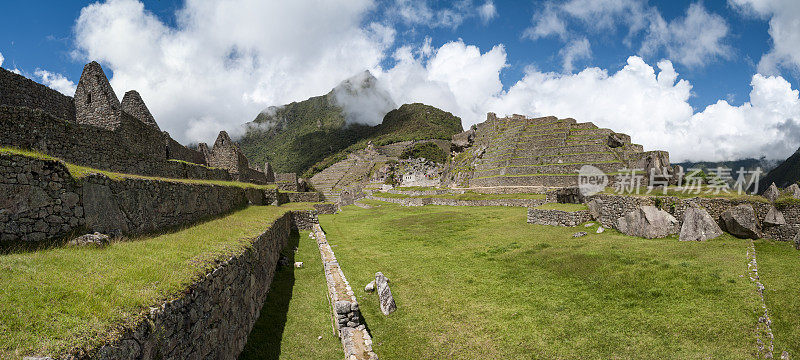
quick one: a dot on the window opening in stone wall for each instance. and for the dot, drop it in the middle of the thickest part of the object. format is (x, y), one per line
(88, 98)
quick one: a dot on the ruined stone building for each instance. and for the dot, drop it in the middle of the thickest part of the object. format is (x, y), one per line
(94, 129)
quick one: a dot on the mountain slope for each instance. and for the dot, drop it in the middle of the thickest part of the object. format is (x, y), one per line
(785, 174)
(298, 137)
(409, 122)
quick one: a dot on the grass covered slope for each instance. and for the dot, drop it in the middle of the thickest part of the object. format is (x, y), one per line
(295, 136)
(481, 283)
(296, 312)
(52, 300)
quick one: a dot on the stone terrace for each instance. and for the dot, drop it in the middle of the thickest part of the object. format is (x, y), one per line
(547, 151)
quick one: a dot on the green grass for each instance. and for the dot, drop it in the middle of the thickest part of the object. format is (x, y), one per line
(479, 283)
(296, 311)
(52, 300)
(563, 207)
(465, 196)
(778, 269)
(78, 172)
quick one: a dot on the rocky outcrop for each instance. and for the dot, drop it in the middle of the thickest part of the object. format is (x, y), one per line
(595, 208)
(698, 225)
(648, 222)
(793, 191)
(740, 221)
(774, 218)
(385, 297)
(771, 193)
(616, 140)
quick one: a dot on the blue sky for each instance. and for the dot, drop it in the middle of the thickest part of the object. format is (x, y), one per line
(715, 47)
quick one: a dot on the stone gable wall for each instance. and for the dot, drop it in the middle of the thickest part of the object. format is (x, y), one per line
(213, 317)
(17, 90)
(96, 103)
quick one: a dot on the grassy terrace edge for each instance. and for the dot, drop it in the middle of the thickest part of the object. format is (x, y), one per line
(57, 299)
(78, 172)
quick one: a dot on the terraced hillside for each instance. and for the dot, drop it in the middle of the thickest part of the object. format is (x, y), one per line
(547, 151)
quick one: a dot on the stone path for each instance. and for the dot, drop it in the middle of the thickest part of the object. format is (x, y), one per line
(346, 317)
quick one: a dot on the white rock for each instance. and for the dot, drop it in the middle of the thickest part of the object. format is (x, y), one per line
(298, 264)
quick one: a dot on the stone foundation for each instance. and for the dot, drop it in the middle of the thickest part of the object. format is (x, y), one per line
(558, 217)
(350, 326)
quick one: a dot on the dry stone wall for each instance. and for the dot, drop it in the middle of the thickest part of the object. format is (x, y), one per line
(615, 206)
(557, 217)
(133, 148)
(17, 90)
(213, 317)
(40, 200)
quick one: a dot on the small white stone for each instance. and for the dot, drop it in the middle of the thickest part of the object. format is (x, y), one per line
(298, 264)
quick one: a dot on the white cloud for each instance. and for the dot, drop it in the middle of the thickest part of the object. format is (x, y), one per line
(417, 12)
(575, 50)
(198, 80)
(784, 28)
(693, 40)
(653, 108)
(56, 82)
(456, 78)
(487, 11)
(1, 59)
(546, 23)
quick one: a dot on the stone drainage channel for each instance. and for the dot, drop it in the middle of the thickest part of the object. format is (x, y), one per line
(764, 337)
(346, 317)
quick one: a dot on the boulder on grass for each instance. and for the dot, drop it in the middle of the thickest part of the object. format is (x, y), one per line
(648, 222)
(370, 287)
(740, 221)
(771, 193)
(774, 218)
(385, 298)
(797, 241)
(96, 239)
(698, 225)
(794, 191)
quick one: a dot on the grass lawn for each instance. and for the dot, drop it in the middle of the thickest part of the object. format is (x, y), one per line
(465, 196)
(475, 283)
(54, 299)
(563, 207)
(296, 311)
(779, 271)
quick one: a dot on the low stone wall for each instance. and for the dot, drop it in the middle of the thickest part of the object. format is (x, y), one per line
(304, 219)
(304, 196)
(40, 200)
(326, 208)
(506, 190)
(615, 206)
(424, 192)
(453, 202)
(350, 326)
(558, 217)
(212, 318)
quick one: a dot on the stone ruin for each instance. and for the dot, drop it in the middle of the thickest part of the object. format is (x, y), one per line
(547, 151)
(94, 129)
